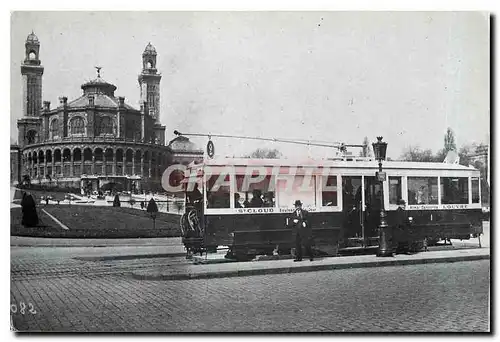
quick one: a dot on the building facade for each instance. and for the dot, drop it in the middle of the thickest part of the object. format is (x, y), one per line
(96, 141)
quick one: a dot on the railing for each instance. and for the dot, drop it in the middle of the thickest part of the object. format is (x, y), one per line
(95, 139)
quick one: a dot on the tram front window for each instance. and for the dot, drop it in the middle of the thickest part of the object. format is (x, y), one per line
(422, 190)
(254, 195)
(218, 193)
(475, 190)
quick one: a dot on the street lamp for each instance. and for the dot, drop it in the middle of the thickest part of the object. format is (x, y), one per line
(385, 245)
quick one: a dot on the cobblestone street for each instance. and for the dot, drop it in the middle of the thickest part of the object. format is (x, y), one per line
(57, 293)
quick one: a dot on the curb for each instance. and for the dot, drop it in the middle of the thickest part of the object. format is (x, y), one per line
(129, 257)
(309, 268)
(84, 246)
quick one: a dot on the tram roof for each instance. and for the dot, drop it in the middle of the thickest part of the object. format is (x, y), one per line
(331, 163)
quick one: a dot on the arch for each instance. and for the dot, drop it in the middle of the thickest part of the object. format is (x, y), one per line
(119, 155)
(57, 155)
(77, 154)
(108, 155)
(66, 155)
(129, 156)
(98, 154)
(87, 154)
(31, 136)
(41, 157)
(48, 156)
(29, 157)
(54, 128)
(150, 64)
(35, 158)
(32, 55)
(137, 156)
(77, 125)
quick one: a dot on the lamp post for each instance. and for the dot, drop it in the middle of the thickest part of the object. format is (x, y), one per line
(385, 245)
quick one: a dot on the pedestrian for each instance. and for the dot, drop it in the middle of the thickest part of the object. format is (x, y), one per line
(142, 205)
(301, 231)
(30, 216)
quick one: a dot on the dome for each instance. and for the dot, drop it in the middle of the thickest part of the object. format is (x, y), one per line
(183, 144)
(98, 85)
(150, 49)
(32, 39)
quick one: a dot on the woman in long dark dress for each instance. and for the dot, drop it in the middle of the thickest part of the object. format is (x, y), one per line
(30, 217)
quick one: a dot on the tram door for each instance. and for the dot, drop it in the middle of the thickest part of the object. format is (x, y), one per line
(352, 206)
(373, 193)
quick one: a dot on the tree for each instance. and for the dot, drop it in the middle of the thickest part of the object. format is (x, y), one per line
(449, 141)
(414, 153)
(26, 180)
(265, 153)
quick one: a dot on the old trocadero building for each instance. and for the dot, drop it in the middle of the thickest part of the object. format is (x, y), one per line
(97, 140)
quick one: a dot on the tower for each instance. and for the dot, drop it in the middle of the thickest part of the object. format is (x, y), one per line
(32, 71)
(29, 126)
(149, 82)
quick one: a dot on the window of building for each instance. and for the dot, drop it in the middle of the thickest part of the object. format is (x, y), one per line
(58, 170)
(109, 169)
(77, 126)
(454, 190)
(128, 169)
(218, 193)
(119, 169)
(329, 191)
(290, 189)
(422, 190)
(31, 137)
(66, 172)
(98, 169)
(395, 190)
(105, 125)
(475, 189)
(77, 170)
(254, 195)
(87, 169)
(54, 128)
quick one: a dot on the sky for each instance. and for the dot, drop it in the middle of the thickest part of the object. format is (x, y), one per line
(323, 76)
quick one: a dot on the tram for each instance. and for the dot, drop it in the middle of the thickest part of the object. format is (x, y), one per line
(244, 203)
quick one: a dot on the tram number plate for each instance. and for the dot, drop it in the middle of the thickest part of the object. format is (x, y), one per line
(381, 176)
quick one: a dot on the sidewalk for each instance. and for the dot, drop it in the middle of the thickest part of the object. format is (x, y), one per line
(240, 269)
(25, 241)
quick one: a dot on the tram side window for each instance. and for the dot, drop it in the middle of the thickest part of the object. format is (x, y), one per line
(475, 190)
(290, 189)
(422, 190)
(454, 190)
(218, 195)
(254, 195)
(329, 191)
(395, 191)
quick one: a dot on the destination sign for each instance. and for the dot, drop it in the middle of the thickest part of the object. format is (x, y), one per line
(440, 206)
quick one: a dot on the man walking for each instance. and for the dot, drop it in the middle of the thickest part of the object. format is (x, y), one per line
(301, 231)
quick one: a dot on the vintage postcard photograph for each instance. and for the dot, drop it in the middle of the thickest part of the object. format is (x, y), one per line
(250, 171)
